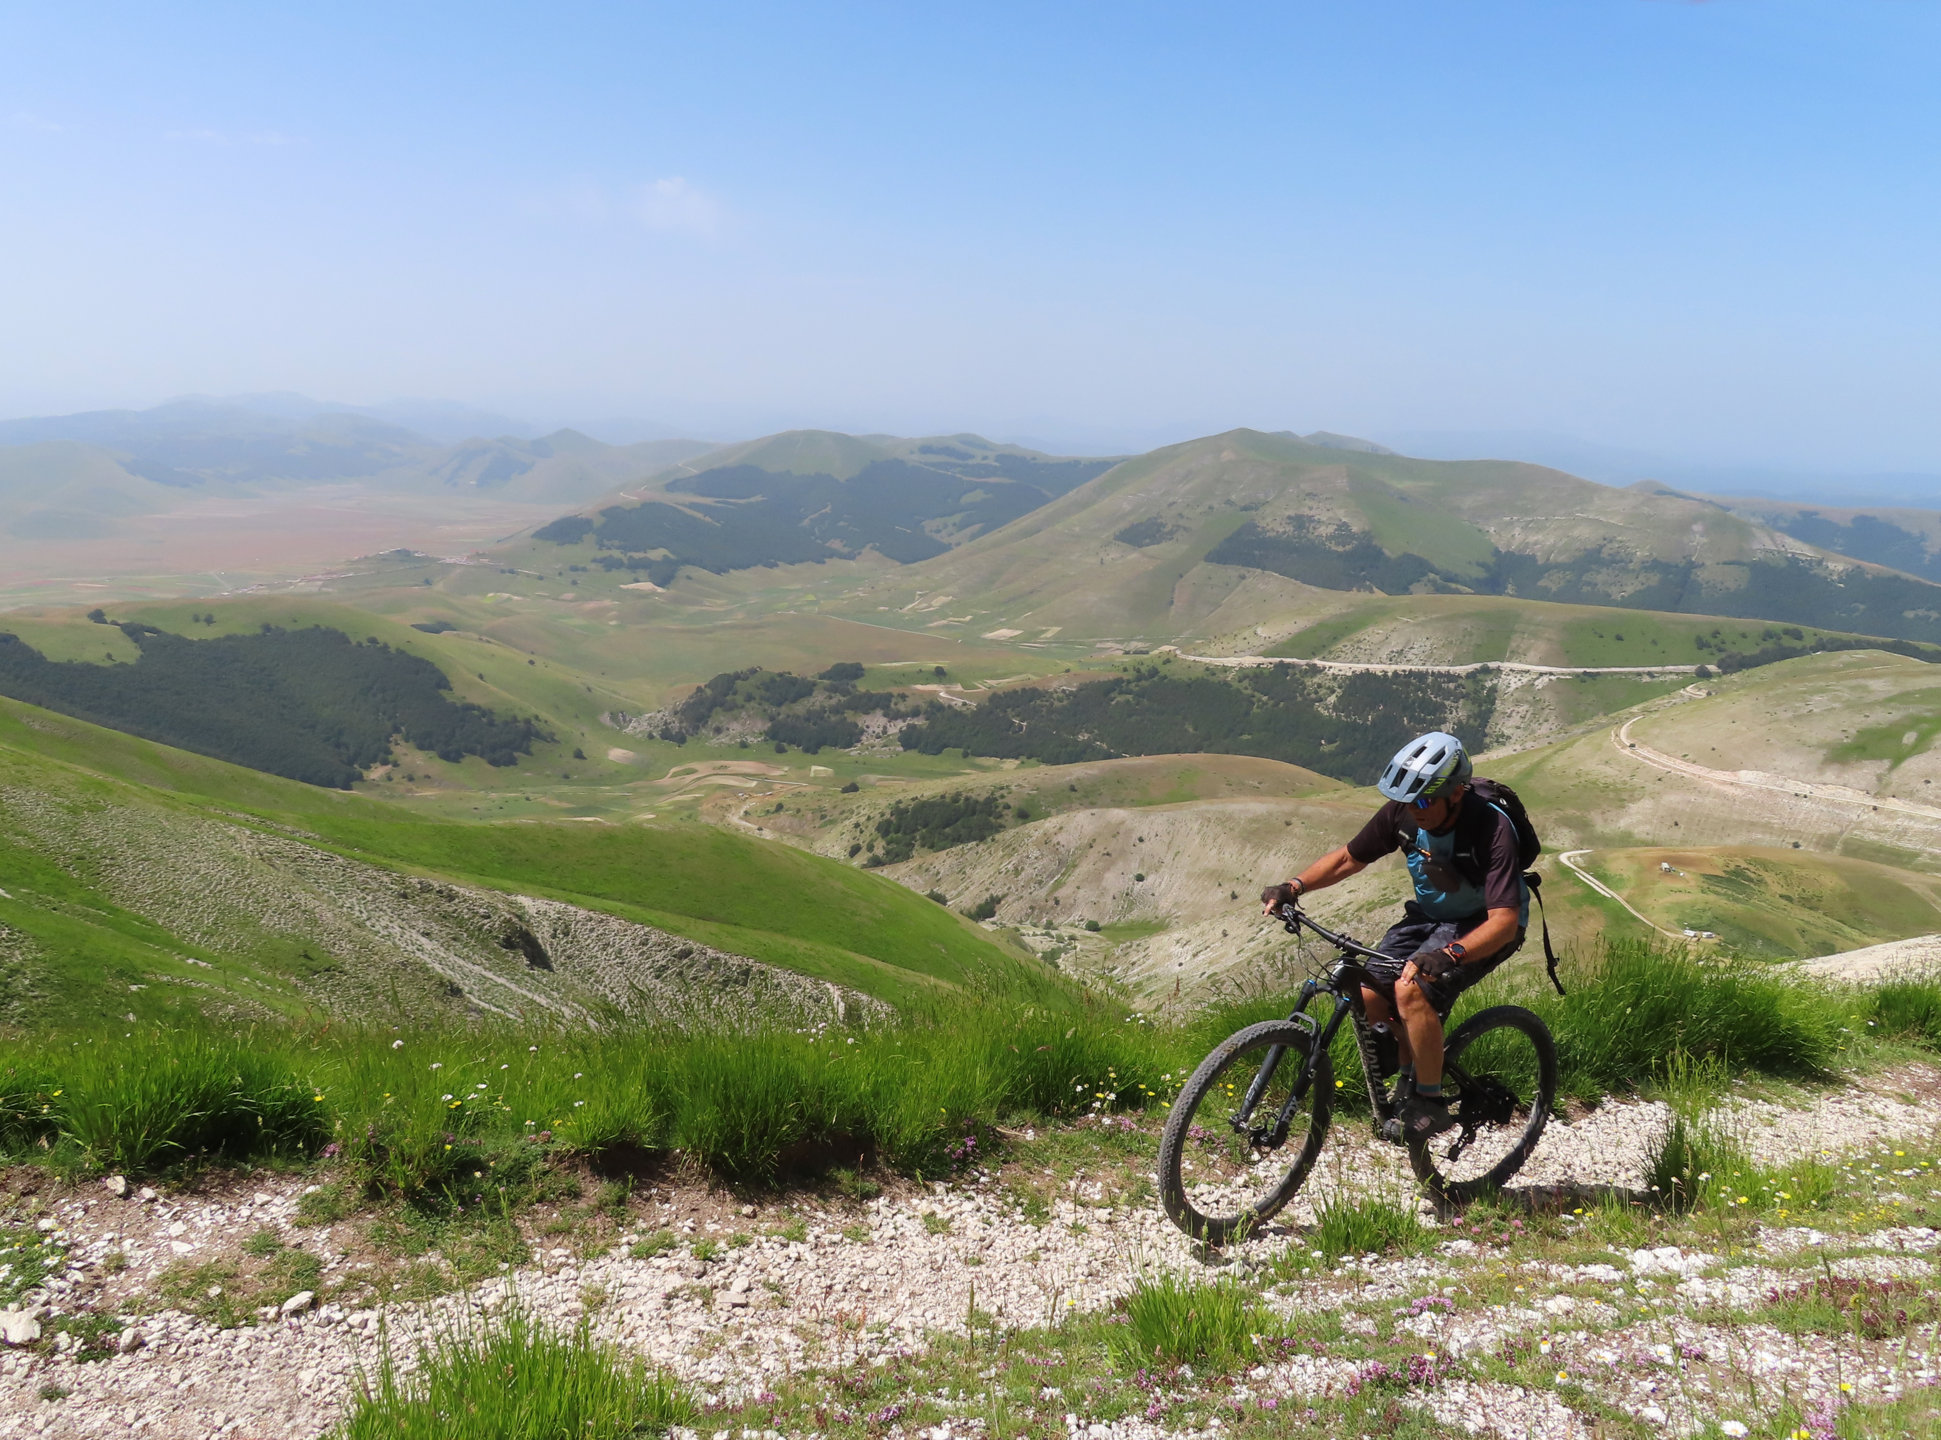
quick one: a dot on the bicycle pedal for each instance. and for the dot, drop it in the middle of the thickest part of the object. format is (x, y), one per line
(1391, 1131)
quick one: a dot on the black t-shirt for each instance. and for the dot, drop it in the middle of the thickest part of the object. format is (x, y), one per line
(1482, 834)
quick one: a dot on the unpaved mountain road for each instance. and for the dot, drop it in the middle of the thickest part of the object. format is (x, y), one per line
(1763, 781)
(1569, 861)
(1376, 667)
(815, 1286)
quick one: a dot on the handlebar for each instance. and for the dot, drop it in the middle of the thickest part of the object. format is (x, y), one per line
(1293, 919)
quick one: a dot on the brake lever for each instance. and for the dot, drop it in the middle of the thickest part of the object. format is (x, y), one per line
(1287, 912)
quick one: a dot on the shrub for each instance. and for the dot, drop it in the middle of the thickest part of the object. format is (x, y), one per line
(516, 1380)
(985, 909)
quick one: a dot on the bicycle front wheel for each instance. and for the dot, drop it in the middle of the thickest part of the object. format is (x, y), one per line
(1500, 1072)
(1227, 1165)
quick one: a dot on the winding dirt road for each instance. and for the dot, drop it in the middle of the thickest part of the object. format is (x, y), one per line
(1762, 780)
(1372, 667)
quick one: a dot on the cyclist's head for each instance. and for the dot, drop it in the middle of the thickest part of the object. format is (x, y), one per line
(1427, 768)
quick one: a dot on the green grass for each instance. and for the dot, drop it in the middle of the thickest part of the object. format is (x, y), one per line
(452, 1117)
(1366, 1226)
(146, 1102)
(1638, 1005)
(1177, 1320)
(516, 1379)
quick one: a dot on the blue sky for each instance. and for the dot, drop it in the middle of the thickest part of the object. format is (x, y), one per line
(1706, 231)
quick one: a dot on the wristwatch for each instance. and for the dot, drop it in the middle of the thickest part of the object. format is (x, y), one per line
(1455, 951)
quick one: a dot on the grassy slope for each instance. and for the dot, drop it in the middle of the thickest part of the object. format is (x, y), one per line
(734, 891)
(1058, 564)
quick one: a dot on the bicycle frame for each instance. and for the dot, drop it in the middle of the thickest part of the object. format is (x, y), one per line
(1344, 983)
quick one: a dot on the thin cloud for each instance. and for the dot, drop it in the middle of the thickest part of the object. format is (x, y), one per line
(40, 125)
(673, 204)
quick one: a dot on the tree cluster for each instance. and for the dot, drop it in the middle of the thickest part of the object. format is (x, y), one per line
(810, 714)
(743, 516)
(311, 705)
(938, 822)
(1346, 726)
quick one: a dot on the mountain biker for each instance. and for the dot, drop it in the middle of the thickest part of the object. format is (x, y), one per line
(1467, 916)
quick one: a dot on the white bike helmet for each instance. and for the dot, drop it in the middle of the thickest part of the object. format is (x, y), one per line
(1425, 768)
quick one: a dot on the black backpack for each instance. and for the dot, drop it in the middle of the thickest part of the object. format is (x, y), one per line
(1495, 792)
(1528, 847)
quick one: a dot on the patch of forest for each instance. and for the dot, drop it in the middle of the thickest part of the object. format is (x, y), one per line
(1345, 726)
(1784, 589)
(809, 714)
(743, 517)
(936, 822)
(311, 705)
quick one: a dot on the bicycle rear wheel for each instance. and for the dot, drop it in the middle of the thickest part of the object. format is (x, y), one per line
(1222, 1172)
(1500, 1072)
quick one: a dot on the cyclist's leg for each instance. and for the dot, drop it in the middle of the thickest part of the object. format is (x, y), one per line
(1425, 1007)
(1403, 940)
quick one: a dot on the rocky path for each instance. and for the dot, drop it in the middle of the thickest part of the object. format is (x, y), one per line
(793, 1288)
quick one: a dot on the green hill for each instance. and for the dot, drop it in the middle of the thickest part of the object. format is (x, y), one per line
(1222, 533)
(150, 880)
(812, 495)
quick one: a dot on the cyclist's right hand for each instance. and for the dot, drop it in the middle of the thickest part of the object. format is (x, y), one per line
(1275, 896)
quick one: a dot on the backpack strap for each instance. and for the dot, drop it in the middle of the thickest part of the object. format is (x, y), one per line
(1535, 882)
(1465, 854)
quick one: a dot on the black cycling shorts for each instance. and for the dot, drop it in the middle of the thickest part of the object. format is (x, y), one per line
(1416, 934)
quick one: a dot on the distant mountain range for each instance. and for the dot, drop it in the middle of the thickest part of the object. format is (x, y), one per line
(1058, 540)
(73, 476)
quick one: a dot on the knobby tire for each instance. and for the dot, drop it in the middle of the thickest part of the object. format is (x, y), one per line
(1300, 1149)
(1446, 1192)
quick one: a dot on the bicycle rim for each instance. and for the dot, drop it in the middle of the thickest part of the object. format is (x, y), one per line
(1500, 1072)
(1217, 1180)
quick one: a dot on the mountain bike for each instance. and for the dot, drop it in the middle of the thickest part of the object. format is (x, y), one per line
(1248, 1126)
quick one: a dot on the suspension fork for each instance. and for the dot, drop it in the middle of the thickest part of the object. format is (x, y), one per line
(1323, 1037)
(1272, 1063)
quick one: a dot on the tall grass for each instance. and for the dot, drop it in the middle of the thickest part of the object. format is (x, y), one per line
(1637, 1005)
(445, 1113)
(1176, 1320)
(146, 1100)
(517, 1380)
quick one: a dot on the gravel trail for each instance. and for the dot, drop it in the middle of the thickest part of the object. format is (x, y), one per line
(778, 1307)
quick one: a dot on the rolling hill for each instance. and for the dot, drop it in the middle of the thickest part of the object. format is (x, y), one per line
(149, 880)
(57, 472)
(1215, 535)
(813, 495)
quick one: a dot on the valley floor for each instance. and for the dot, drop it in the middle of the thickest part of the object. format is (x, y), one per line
(898, 1314)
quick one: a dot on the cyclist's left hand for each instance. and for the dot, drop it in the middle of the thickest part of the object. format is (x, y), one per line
(1434, 964)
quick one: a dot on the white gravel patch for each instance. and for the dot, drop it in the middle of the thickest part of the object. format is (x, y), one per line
(776, 1307)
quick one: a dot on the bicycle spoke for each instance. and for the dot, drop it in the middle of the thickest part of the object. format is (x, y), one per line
(1224, 1166)
(1501, 1079)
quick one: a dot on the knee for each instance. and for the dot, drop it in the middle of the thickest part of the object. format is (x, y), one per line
(1412, 1003)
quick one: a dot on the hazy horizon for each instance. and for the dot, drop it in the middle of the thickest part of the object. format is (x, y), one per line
(1697, 234)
